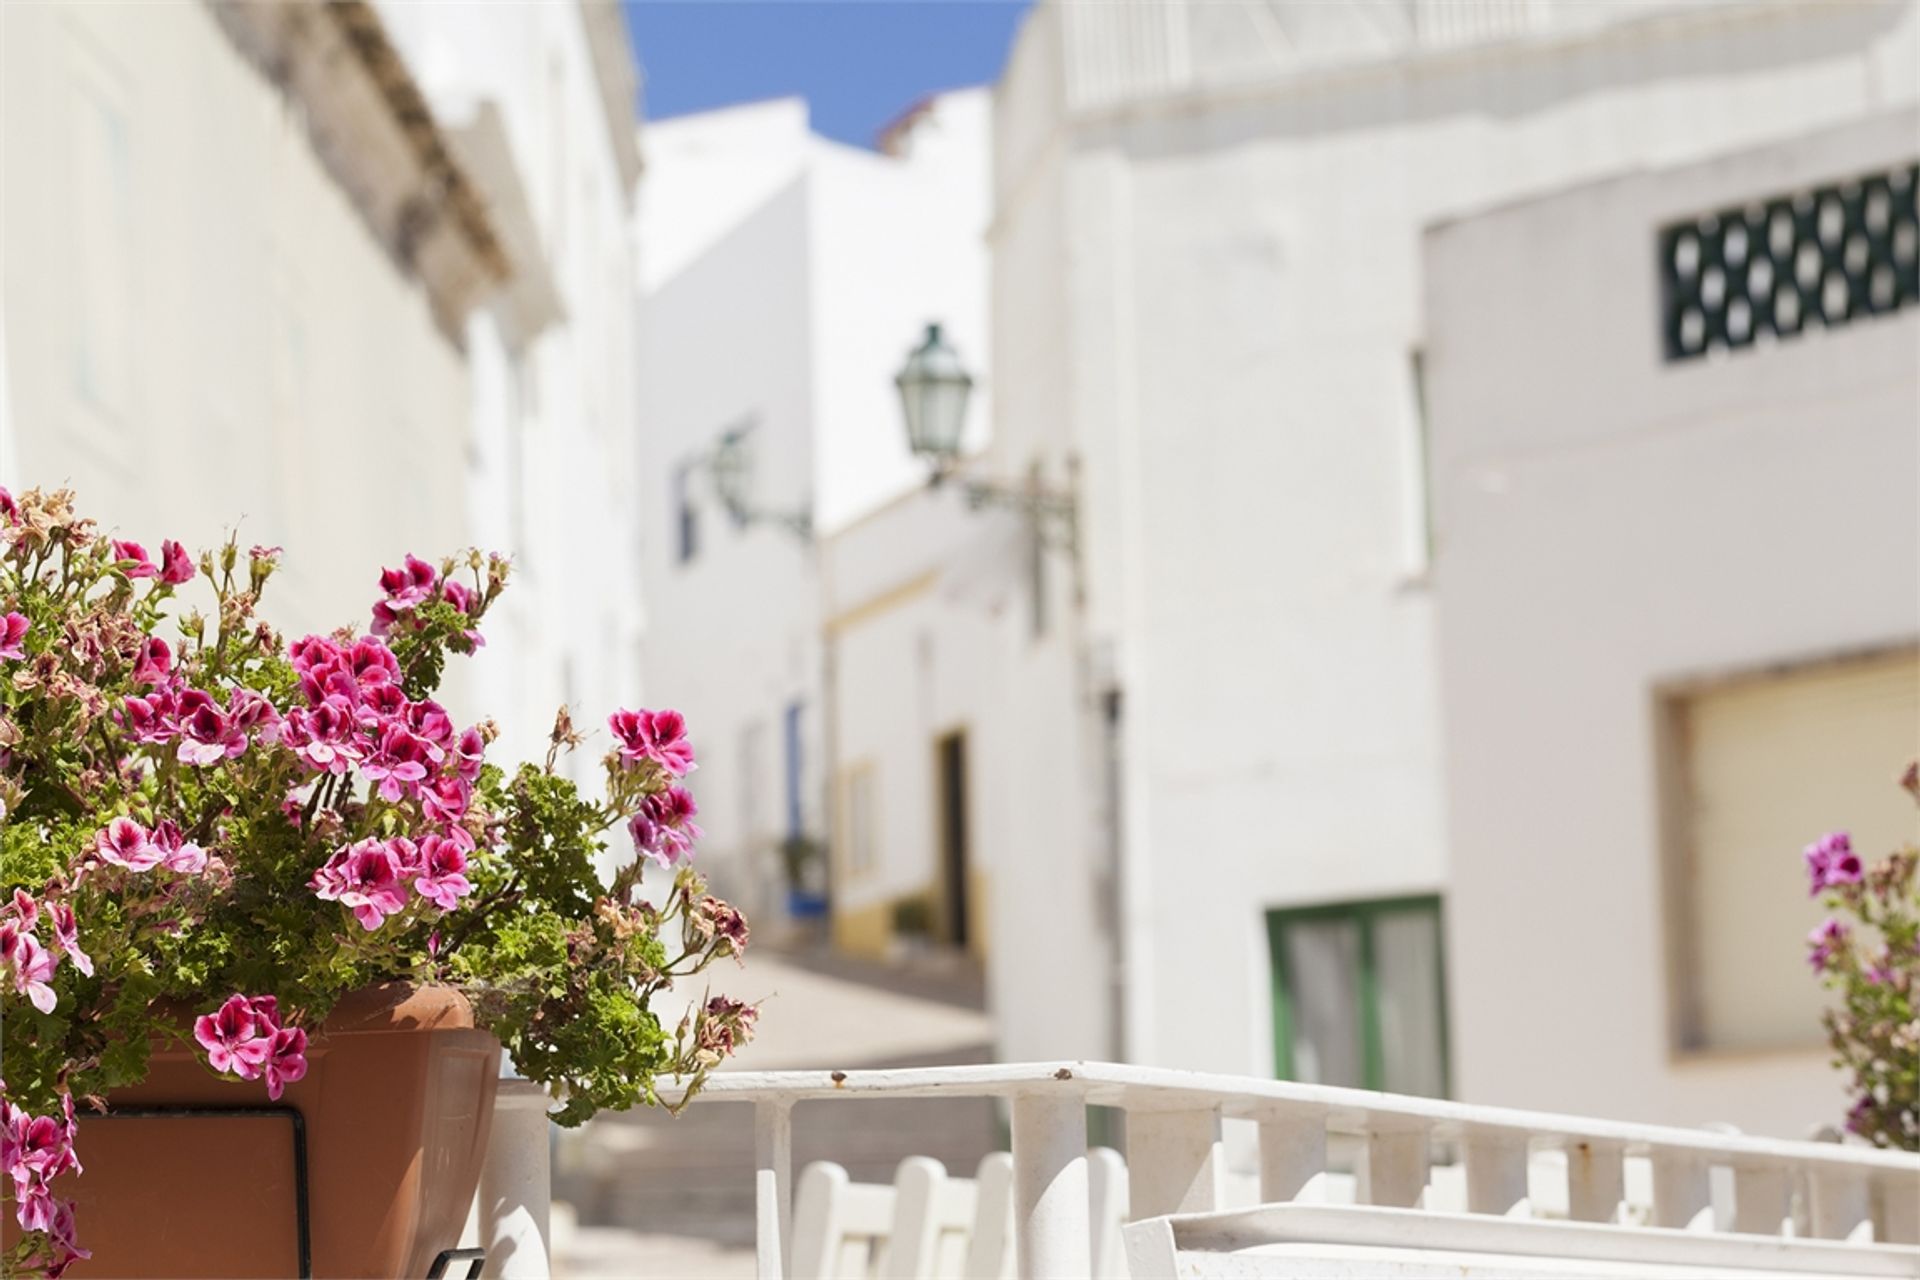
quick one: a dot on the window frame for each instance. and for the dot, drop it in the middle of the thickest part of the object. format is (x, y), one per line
(1364, 913)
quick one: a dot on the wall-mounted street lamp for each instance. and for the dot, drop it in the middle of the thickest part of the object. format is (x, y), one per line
(731, 464)
(934, 389)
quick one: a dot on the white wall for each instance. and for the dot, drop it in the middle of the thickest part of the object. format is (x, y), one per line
(1611, 524)
(553, 470)
(1212, 295)
(255, 358)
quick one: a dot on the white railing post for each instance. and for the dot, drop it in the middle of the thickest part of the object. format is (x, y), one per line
(1595, 1181)
(1173, 1162)
(1496, 1161)
(1682, 1188)
(1759, 1198)
(1396, 1170)
(1838, 1202)
(1052, 1235)
(516, 1185)
(1293, 1149)
(773, 1187)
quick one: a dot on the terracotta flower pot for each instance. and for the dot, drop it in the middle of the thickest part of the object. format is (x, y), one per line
(393, 1114)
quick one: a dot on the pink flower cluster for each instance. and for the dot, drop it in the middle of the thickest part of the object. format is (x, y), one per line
(175, 565)
(1825, 942)
(1831, 862)
(357, 716)
(663, 828)
(413, 584)
(125, 843)
(34, 1150)
(244, 1037)
(31, 962)
(371, 876)
(657, 737)
(206, 731)
(13, 635)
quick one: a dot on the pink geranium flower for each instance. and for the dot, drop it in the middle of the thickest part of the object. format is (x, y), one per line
(401, 763)
(232, 1038)
(25, 908)
(133, 560)
(411, 583)
(66, 936)
(663, 829)
(445, 798)
(155, 662)
(323, 735)
(206, 735)
(372, 663)
(1825, 942)
(286, 1060)
(13, 635)
(1831, 862)
(176, 566)
(442, 879)
(364, 877)
(658, 736)
(177, 853)
(33, 966)
(150, 719)
(125, 843)
(469, 755)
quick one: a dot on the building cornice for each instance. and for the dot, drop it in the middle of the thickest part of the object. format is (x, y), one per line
(618, 76)
(374, 131)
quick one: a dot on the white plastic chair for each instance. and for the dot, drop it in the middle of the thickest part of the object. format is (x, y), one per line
(839, 1226)
(929, 1226)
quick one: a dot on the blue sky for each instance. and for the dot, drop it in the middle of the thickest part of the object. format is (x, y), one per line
(859, 63)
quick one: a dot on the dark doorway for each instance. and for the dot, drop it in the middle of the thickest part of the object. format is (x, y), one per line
(952, 764)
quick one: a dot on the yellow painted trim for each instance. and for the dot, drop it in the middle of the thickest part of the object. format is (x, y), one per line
(864, 931)
(892, 598)
(977, 915)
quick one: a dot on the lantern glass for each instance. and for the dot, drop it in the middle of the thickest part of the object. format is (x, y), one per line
(934, 388)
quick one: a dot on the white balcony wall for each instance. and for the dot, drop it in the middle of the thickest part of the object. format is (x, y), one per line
(1614, 528)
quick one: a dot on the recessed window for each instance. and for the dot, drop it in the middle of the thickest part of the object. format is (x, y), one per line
(1757, 768)
(1358, 996)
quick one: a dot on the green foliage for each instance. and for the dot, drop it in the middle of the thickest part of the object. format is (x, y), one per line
(1873, 963)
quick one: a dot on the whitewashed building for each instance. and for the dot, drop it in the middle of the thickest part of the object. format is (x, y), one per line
(1208, 292)
(233, 295)
(785, 276)
(1675, 423)
(539, 103)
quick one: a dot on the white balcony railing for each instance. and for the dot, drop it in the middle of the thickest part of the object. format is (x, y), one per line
(1860, 1206)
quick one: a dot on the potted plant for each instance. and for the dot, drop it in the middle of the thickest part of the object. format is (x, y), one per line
(268, 916)
(1868, 951)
